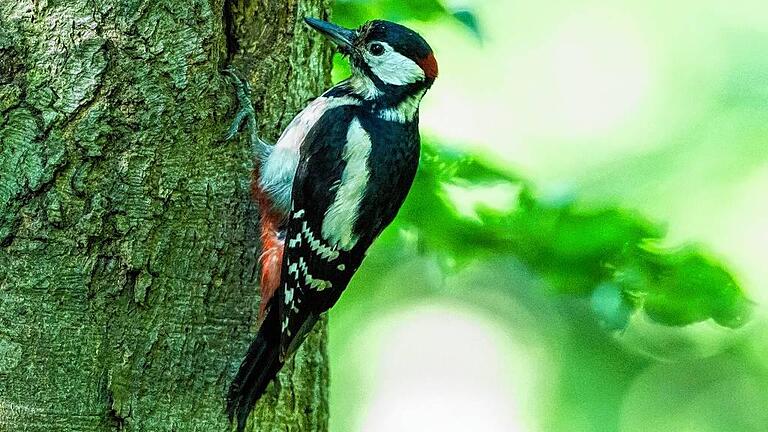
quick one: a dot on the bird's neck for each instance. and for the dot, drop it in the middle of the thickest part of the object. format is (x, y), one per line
(395, 103)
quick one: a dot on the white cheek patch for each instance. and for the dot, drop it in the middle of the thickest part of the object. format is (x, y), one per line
(393, 67)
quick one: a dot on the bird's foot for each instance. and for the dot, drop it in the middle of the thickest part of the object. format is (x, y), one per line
(246, 114)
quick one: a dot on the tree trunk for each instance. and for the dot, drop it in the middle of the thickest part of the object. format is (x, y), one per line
(128, 242)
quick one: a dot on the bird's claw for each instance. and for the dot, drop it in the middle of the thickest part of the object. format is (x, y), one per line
(245, 113)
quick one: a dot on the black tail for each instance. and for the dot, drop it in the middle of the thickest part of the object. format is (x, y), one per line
(259, 367)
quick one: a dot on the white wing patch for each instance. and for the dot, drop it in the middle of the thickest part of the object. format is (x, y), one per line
(393, 67)
(277, 172)
(341, 216)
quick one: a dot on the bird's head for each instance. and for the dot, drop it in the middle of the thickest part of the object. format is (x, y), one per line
(388, 60)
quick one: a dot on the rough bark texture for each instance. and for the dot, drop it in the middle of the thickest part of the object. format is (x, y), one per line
(128, 290)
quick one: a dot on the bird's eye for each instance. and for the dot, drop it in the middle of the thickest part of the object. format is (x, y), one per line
(376, 49)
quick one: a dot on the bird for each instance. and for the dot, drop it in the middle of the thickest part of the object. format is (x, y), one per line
(335, 178)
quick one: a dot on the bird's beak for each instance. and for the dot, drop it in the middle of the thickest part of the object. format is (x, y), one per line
(343, 37)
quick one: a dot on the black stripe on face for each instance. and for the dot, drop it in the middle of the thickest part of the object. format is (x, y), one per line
(392, 95)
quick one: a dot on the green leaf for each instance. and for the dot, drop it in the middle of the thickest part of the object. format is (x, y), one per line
(585, 252)
(352, 13)
(470, 21)
(682, 287)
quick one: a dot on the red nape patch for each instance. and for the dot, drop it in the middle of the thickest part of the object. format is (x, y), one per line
(429, 65)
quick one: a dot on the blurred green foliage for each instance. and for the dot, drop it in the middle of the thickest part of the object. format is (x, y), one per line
(575, 250)
(596, 297)
(351, 13)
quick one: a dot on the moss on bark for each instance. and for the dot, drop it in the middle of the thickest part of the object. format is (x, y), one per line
(128, 289)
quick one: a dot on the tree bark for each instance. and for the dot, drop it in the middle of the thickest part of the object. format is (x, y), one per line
(128, 242)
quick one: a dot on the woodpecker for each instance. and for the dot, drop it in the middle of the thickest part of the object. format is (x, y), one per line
(334, 180)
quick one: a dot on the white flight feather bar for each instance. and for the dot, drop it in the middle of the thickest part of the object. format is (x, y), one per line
(341, 216)
(325, 252)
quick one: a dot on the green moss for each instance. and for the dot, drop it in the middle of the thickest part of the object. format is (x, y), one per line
(127, 236)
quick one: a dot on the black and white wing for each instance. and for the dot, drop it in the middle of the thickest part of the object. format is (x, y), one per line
(349, 184)
(347, 189)
(317, 262)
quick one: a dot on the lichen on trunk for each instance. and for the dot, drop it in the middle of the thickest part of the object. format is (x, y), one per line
(128, 288)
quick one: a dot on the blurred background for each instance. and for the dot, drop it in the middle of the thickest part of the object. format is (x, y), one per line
(584, 248)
